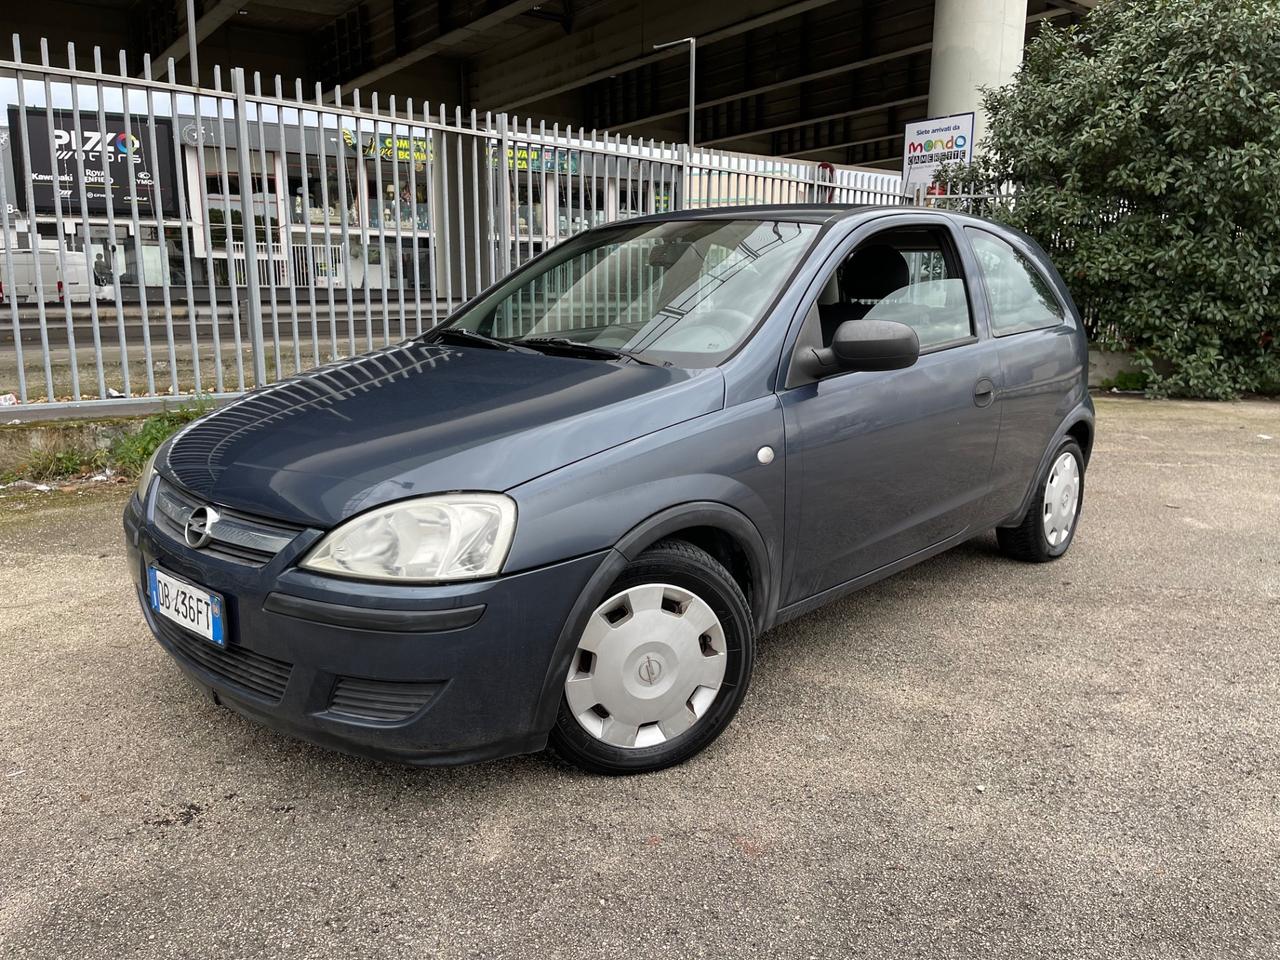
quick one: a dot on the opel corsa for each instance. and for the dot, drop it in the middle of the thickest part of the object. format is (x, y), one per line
(567, 514)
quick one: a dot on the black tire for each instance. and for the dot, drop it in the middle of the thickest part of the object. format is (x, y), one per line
(1027, 541)
(683, 565)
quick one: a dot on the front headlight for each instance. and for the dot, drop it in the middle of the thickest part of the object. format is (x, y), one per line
(458, 536)
(144, 478)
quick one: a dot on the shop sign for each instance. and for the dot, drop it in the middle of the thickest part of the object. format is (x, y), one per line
(928, 144)
(523, 158)
(132, 173)
(389, 147)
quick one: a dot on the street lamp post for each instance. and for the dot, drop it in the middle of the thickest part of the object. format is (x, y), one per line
(192, 43)
(693, 53)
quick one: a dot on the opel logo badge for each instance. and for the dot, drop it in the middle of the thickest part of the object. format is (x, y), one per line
(199, 529)
(650, 671)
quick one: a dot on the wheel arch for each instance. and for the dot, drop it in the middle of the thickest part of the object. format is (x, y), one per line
(1082, 431)
(1078, 425)
(726, 534)
(706, 521)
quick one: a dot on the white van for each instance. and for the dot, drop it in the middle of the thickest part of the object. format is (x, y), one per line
(53, 285)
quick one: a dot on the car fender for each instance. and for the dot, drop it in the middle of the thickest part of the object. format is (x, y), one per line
(1080, 413)
(598, 502)
(706, 472)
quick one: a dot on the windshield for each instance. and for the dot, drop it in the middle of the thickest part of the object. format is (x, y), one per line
(682, 292)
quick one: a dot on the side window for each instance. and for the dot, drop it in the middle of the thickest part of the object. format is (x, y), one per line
(909, 275)
(1021, 298)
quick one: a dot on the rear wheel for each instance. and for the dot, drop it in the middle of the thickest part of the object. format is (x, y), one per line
(660, 667)
(1047, 530)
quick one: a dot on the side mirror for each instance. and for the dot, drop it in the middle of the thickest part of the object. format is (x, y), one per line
(866, 345)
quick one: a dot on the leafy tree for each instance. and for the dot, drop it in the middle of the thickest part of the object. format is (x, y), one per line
(1143, 147)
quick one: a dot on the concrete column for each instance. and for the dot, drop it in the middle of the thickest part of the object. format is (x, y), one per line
(976, 43)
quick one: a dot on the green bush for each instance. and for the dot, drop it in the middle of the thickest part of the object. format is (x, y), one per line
(130, 452)
(1144, 149)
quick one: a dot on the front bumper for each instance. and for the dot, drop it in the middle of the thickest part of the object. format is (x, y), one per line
(421, 674)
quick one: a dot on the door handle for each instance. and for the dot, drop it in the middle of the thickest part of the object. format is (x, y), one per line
(984, 391)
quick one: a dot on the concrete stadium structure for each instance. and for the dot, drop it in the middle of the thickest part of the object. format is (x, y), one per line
(824, 80)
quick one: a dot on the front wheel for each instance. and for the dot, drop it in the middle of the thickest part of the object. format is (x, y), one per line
(661, 666)
(1047, 530)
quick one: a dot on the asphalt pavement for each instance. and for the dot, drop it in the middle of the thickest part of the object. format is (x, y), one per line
(974, 758)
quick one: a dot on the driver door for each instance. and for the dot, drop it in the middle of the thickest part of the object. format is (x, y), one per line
(885, 465)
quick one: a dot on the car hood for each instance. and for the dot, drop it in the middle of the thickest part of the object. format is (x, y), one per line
(421, 418)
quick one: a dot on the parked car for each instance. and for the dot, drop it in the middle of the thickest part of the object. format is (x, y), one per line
(568, 514)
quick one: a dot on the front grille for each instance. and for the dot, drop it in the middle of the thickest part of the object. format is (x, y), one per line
(262, 675)
(236, 536)
(381, 701)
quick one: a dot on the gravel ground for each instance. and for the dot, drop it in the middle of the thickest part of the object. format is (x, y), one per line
(973, 758)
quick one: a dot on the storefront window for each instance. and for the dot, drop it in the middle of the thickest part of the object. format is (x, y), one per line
(400, 201)
(309, 205)
(223, 191)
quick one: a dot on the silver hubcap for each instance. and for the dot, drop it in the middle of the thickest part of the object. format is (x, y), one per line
(1061, 499)
(649, 665)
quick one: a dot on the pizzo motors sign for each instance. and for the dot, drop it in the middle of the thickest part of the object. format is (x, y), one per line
(132, 173)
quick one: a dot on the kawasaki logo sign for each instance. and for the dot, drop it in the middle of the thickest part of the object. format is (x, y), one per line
(132, 173)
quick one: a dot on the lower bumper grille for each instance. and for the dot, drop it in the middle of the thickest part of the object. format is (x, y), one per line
(258, 674)
(380, 701)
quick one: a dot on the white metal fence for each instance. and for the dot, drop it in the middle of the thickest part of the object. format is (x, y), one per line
(131, 210)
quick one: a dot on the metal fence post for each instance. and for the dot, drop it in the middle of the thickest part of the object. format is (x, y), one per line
(685, 177)
(504, 194)
(249, 228)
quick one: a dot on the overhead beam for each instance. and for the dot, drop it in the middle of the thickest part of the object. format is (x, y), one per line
(564, 18)
(808, 121)
(215, 15)
(843, 144)
(724, 33)
(807, 77)
(450, 38)
(1063, 8)
(781, 84)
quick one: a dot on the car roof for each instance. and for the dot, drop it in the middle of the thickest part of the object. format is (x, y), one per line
(820, 213)
(803, 212)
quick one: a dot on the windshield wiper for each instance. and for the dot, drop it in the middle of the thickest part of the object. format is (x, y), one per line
(477, 339)
(571, 347)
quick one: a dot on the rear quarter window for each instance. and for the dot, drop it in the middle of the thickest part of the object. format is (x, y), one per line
(1021, 297)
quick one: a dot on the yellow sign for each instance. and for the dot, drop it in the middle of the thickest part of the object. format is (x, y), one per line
(388, 147)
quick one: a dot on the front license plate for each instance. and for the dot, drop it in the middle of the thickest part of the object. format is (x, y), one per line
(187, 605)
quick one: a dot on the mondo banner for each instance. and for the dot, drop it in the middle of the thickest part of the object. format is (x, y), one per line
(131, 168)
(928, 144)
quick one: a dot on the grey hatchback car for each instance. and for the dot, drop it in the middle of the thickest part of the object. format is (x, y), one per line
(567, 514)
